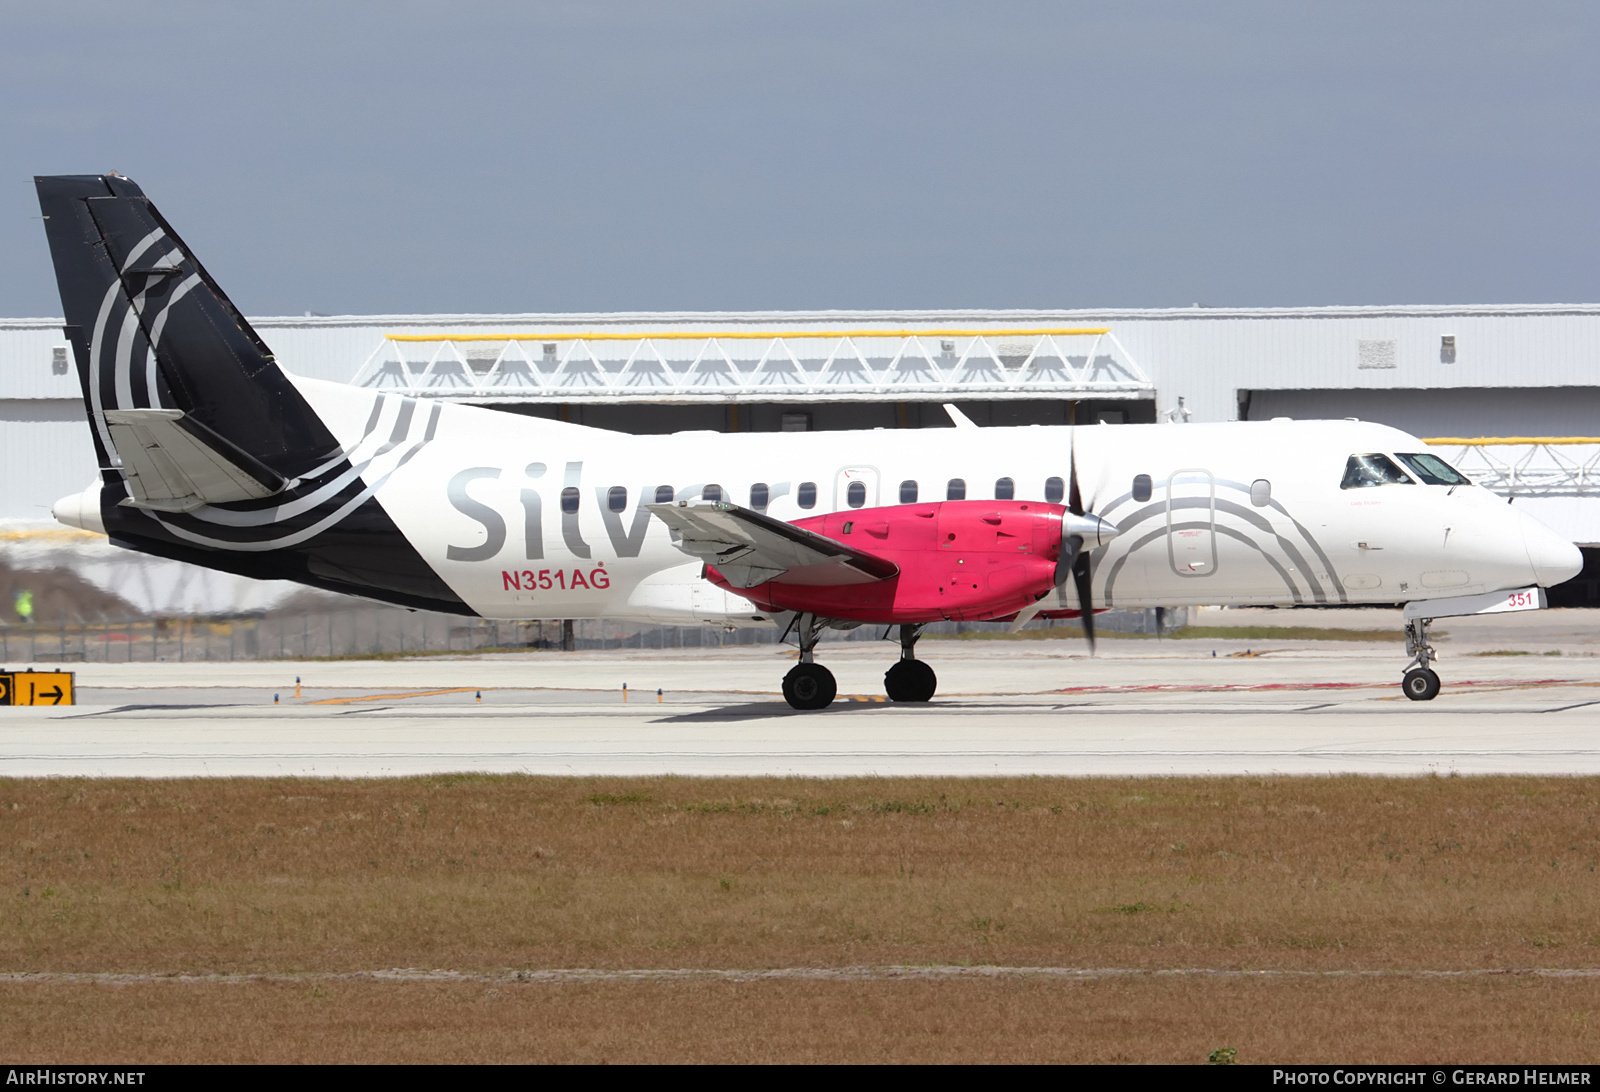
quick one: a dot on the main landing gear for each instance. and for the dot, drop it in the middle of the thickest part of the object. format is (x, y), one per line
(809, 685)
(910, 679)
(1420, 683)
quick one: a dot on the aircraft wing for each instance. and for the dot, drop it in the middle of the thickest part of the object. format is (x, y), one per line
(749, 548)
(173, 463)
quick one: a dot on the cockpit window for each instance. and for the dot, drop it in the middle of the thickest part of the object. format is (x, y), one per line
(1432, 469)
(1365, 471)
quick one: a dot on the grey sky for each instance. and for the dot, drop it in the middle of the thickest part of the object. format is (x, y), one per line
(400, 157)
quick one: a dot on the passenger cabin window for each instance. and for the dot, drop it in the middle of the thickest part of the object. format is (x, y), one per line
(956, 490)
(617, 498)
(1005, 489)
(1367, 471)
(663, 494)
(856, 495)
(758, 495)
(711, 493)
(1261, 492)
(1141, 487)
(1432, 469)
(908, 492)
(806, 495)
(569, 499)
(1054, 490)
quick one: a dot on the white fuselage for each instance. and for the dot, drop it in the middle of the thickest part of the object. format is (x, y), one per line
(479, 493)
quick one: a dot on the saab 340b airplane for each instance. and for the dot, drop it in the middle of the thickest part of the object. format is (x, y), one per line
(211, 453)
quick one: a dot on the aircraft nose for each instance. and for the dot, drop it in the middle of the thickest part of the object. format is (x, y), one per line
(1554, 559)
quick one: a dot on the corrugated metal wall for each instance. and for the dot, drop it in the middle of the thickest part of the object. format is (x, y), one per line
(45, 453)
(1487, 411)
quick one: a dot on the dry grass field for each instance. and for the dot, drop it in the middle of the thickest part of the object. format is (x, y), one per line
(304, 881)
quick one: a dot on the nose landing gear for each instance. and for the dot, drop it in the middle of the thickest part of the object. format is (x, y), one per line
(809, 685)
(910, 679)
(1419, 683)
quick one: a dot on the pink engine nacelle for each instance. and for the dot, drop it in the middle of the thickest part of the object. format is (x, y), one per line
(959, 561)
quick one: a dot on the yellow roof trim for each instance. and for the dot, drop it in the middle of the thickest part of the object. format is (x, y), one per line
(1509, 441)
(752, 335)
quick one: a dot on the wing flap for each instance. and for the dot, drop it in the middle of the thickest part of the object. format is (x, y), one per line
(173, 463)
(749, 548)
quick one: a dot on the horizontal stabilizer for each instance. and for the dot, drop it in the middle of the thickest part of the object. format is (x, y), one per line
(748, 548)
(173, 463)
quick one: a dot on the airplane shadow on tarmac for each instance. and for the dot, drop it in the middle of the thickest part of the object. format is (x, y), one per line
(764, 710)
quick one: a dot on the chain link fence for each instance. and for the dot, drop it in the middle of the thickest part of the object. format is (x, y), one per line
(376, 631)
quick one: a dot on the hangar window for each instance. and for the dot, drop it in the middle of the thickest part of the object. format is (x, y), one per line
(856, 495)
(1005, 489)
(1054, 490)
(711, 493)
(1261, 492)
(1367, 471)
(663, 494)
(569, 499)
(806, 495)
(617, 498)
(956, 490)
(1141, 487)
(1433, 470)
(758, 495)
(908, 492)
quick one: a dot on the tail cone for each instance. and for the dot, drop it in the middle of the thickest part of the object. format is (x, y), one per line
(81, 510)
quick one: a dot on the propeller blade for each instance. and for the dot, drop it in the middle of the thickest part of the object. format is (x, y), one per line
(1081, 577)
(1071, 547)
(1025, 615)
(1074, 559)
(1074, 494)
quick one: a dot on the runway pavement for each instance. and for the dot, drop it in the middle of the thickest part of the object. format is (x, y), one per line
(1006, 708)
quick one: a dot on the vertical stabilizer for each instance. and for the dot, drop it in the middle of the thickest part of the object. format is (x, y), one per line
(207, 452)
(151, 330)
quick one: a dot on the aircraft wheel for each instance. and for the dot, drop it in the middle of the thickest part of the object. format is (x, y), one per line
(1420, 684)
(809, 686)
(910, 680)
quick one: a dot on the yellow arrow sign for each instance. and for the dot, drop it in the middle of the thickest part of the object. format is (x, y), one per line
(36, 688)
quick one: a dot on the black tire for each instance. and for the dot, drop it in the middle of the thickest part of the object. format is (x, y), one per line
(1420, 684)
(809, 686)
(910, 680)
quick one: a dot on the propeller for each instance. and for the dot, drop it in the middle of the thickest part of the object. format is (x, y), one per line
(1079, 528)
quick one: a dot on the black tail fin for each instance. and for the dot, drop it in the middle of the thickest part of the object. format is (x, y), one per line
(222, 462)
(151, 329)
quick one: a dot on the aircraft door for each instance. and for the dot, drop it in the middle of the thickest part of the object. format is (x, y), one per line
(1192, 522)
(855, 487)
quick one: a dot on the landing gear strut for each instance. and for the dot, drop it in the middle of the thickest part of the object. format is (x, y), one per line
(809, 685)
(910, 679)
(1420, 683)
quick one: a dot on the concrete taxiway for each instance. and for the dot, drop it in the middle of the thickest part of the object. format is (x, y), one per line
(1005, 708)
